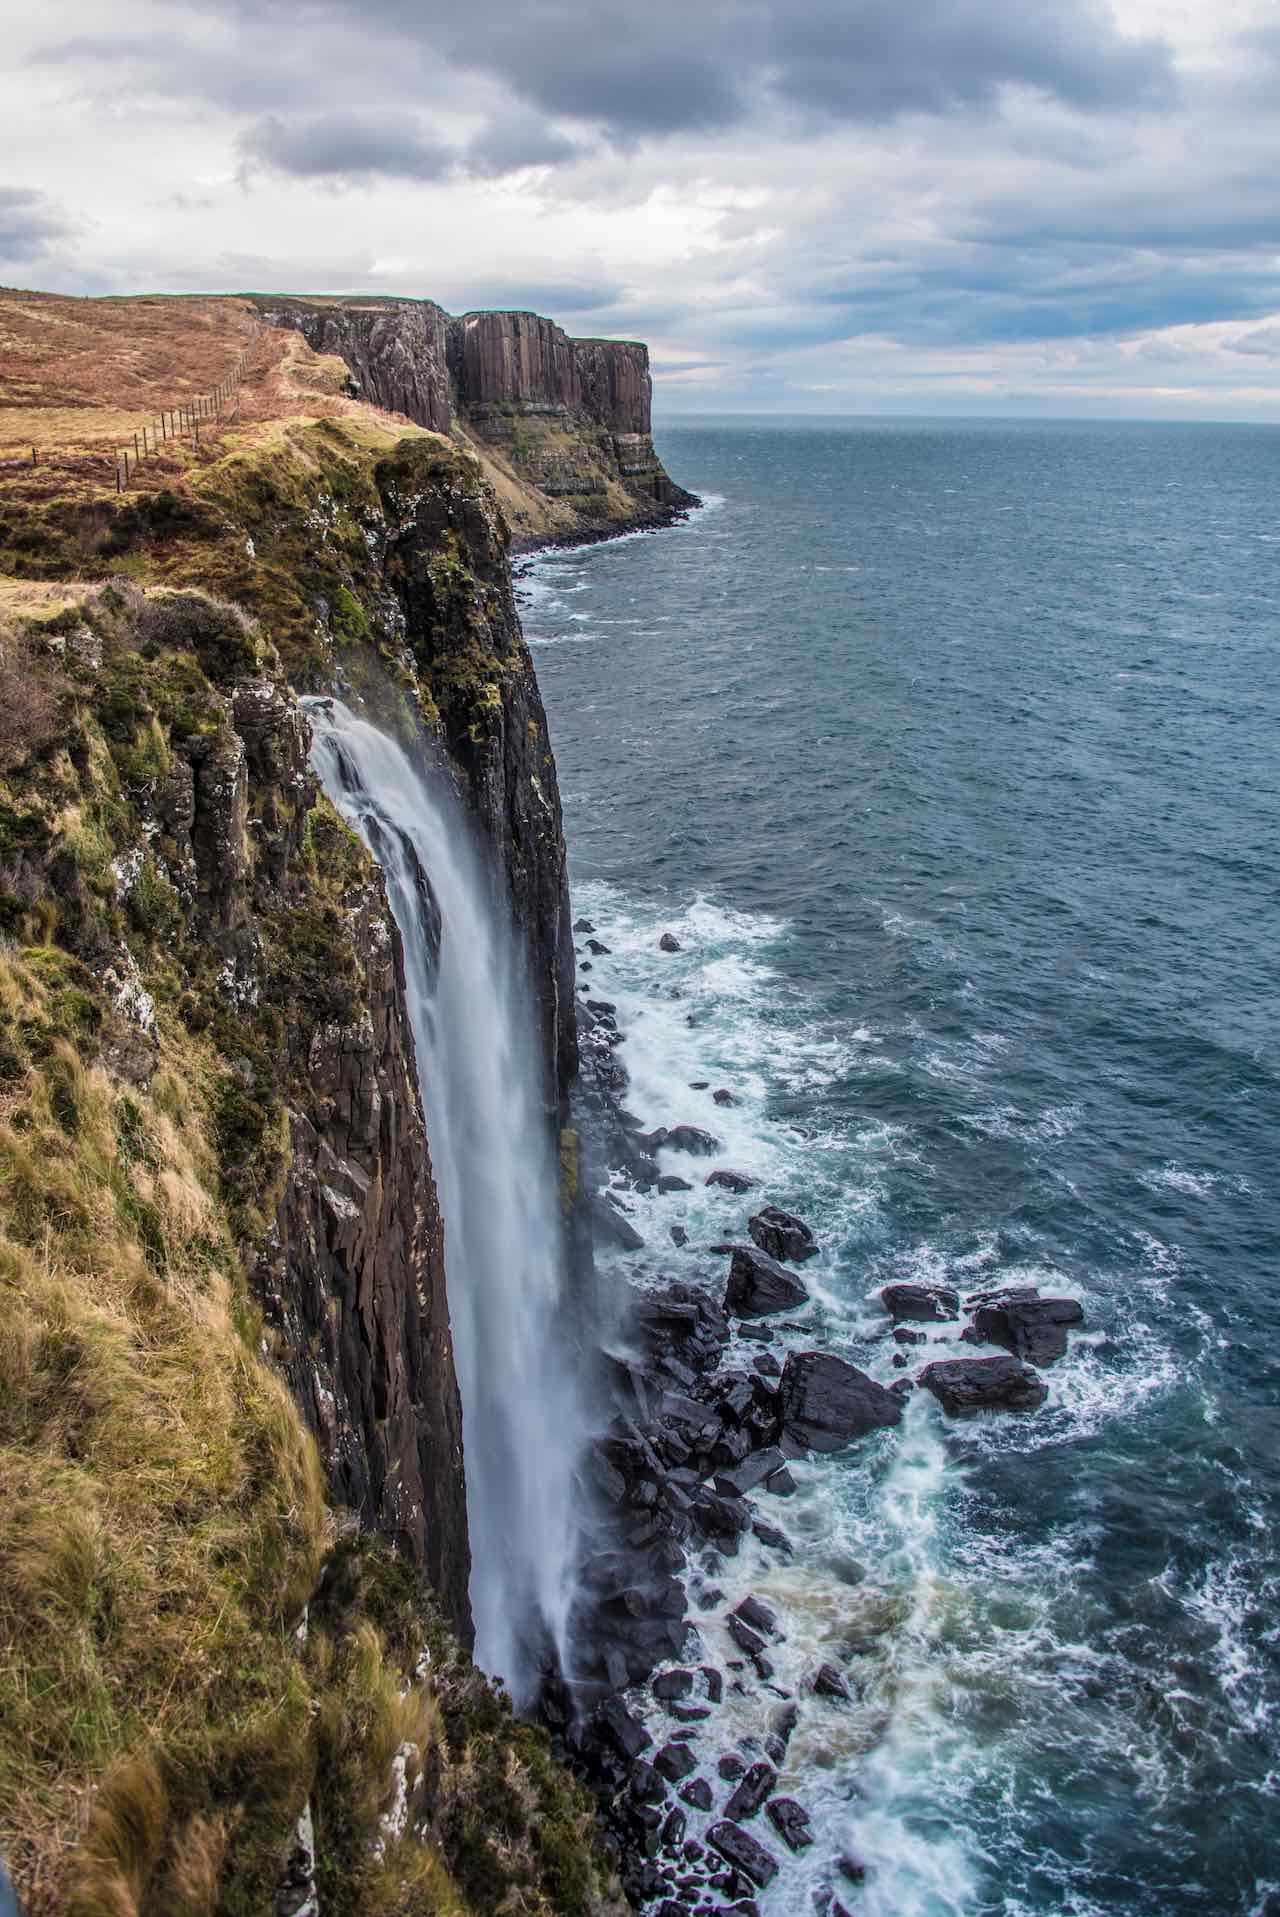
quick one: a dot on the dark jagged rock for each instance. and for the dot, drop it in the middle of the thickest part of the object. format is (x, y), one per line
(625, 1732)
(756, 1784)
(597, 949)
(759, 1286)
(731, 1767)
(770, 1536)
(903, 1335)
(741, 1850)
(669, 942)
(679, 1236)
(723, 1096)
(672, 1181)
(583, 925)
(1034, 1329)
(780, 1483)
(734, 1181)
(696, 1794)
(691, 1139)
(791, 1822)
(612, 1224)
(746, 1638)
(782, 1235)
(676, 1762)
(922, 1304)
(674, 1829)
(965, 1386)
(757, 1615)
(736, 1480)
(826, 1403)
(672, 1684)
(828, 1682)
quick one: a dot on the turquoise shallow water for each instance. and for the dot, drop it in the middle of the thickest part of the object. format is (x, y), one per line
(949, 753)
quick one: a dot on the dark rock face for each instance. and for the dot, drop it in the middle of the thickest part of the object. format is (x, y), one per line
(1034, 1329)
(921, 1304)
(965, 1386)
(571, 417)
(826, 1403)
(782, 1235)
(759, 1286)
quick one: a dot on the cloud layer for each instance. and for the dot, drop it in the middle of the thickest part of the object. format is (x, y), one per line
(816, 204)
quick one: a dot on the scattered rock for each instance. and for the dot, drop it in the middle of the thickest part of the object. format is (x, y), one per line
(741, 1850)
(731, 1767)
(757, 1615)
(745, 1638)
(671, 1684)
(965, 1386)
(782, 1234)
(754, 1787)
(696, 1794)
(827, 1682)
(723, 1097)
(903, 1335)
(676, 1762)
(738, 1479)
(583, 925)
(826, 1403)
(923, 1304)
(1034, 1329)
(734, 1181)
(612, 1223)
(852, 1868)
(780, 1483)
(759, 1286)
(625, 1732)
(671, 1181)
(596, 947)
(791, 1822)
(691, 1138)
(669, 942)
(699, 1084)
(679, 1236)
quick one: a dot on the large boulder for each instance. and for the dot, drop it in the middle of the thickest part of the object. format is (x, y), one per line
(740, 1849)
(758, 1285)
(921, 1304)
(965, 1386)
(782, 1235)
(612, 1224)
(691, 1138)
(1034, 1329)
(734, 1181)
(826, 1403)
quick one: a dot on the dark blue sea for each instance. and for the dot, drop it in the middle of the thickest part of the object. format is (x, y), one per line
(949, 754)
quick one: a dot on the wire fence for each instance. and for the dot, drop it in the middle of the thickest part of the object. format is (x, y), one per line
(178, 422)
(173, 424)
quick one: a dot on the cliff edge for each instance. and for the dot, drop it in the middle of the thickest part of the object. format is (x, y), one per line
(562, 426)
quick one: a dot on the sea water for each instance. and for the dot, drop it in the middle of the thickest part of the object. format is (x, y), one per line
(948, 754)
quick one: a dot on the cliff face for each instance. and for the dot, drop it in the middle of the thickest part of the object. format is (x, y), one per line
(231, 1060)
(563, 424)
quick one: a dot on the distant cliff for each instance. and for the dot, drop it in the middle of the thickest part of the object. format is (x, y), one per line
(562, 425)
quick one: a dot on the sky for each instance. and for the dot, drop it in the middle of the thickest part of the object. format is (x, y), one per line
(1028, 207)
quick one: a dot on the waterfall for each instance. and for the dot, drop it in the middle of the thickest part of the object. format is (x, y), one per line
(492, 1150)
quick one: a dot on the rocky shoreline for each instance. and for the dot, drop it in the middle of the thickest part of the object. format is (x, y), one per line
(703, 1421)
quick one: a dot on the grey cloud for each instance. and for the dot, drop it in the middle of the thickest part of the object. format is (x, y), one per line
(28, 224)
(345, 146)
(671, 66)
(517, 139)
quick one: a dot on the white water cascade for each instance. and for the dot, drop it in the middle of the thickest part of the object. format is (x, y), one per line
(496, 1174)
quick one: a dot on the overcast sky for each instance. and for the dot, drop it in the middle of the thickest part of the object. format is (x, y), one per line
(1030, 206)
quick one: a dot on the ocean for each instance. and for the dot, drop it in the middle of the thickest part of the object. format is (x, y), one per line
(948, 752)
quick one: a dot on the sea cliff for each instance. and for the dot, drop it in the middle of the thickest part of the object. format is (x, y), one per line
(562, 426)
(233, 1546)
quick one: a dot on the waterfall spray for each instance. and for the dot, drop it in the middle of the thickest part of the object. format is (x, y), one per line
(496, 1173)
